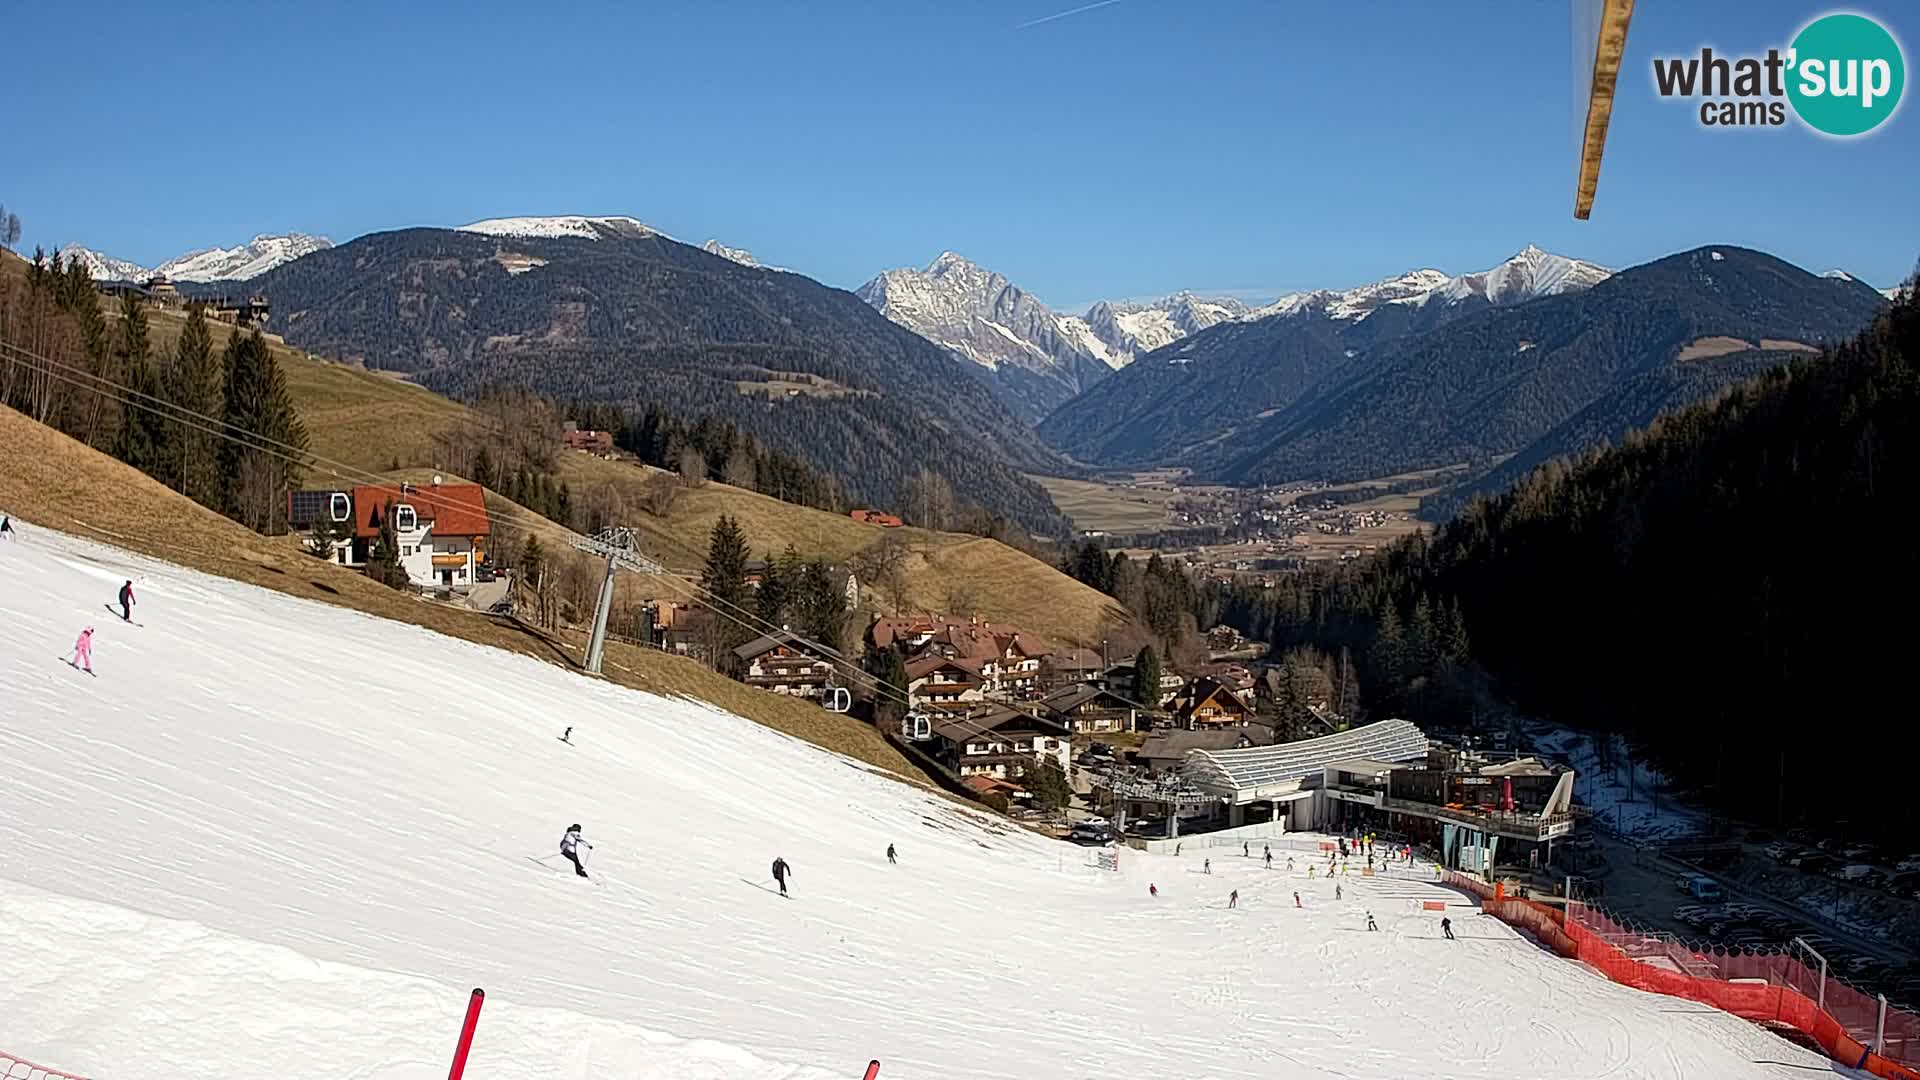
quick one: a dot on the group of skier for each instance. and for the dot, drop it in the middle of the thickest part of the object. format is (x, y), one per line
(83, 645)
(1363, 845)
(571, 842)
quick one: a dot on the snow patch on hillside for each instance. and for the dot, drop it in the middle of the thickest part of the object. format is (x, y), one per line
(731, 254)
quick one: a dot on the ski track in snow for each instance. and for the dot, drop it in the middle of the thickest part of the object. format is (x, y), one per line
(279, 838)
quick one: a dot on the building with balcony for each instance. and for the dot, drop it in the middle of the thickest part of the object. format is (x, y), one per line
(786, 663)
(1089, 710)
(1001, 743)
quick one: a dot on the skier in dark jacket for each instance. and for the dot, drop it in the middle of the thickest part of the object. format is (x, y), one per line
(890, 854)
(569, 846)
(6, 527)
(780, 872)
(126, 602)
(1446, 928)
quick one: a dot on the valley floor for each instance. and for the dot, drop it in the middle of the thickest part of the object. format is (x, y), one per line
(273, 837)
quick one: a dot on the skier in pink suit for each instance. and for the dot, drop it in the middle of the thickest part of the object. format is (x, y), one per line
(83, 651)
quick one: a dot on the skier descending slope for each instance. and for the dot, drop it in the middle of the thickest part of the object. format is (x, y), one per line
(569, 846)
(126, 602)
(780, 872)
(83, 651)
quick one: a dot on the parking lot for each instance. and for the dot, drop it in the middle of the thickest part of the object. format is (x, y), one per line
(1644, 886)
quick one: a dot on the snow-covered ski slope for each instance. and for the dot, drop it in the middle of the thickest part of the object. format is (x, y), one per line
(276, 838)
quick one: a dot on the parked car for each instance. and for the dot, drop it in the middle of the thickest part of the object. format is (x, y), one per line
(1088, 833)
(1701, 887)
(1692, 915)
(1780, 926)
(1152, 826)
(1780, 852)
(1857, 852)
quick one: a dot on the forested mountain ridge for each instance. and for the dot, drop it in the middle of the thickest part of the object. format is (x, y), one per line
(631, 318)
(1719, 587)
(1494, 382)
(1307, 396)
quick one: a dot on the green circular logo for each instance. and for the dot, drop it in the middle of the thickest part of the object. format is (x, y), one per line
(1846, 74)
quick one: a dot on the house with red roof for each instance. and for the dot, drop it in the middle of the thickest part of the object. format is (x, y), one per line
(442, 529)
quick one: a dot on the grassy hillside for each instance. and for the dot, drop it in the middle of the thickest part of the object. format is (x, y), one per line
(375, 422)
(369, 420)
(53, 482)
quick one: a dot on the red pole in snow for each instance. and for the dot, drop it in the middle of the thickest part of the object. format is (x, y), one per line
(873, 1069)
(466, 1033)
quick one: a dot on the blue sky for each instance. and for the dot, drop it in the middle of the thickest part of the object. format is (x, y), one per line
(1145, 146)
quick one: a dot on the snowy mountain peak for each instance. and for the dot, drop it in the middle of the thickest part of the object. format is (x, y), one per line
(104, 267)
(731, 254)
(569, 225)
(248, 260)
(950, 262)
(1130, 328)
(1357, 302)
(1038, 357)
(1531, 272)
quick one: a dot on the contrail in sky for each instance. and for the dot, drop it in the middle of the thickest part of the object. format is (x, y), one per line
(1064, 14)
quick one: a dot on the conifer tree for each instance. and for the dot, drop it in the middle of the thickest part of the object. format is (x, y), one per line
(264, 432)
(1388, 655)
(724, 579)
(1422, 639)
(193, 385)
(772, 601)
(141, 442)
(383, 560)
(889, 703)
(1146, 677)
(822, 607)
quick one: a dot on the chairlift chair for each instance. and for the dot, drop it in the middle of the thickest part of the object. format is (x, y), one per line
(838, 699)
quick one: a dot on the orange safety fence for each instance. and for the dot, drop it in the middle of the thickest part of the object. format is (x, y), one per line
(1763, 987)
(19, 1068)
